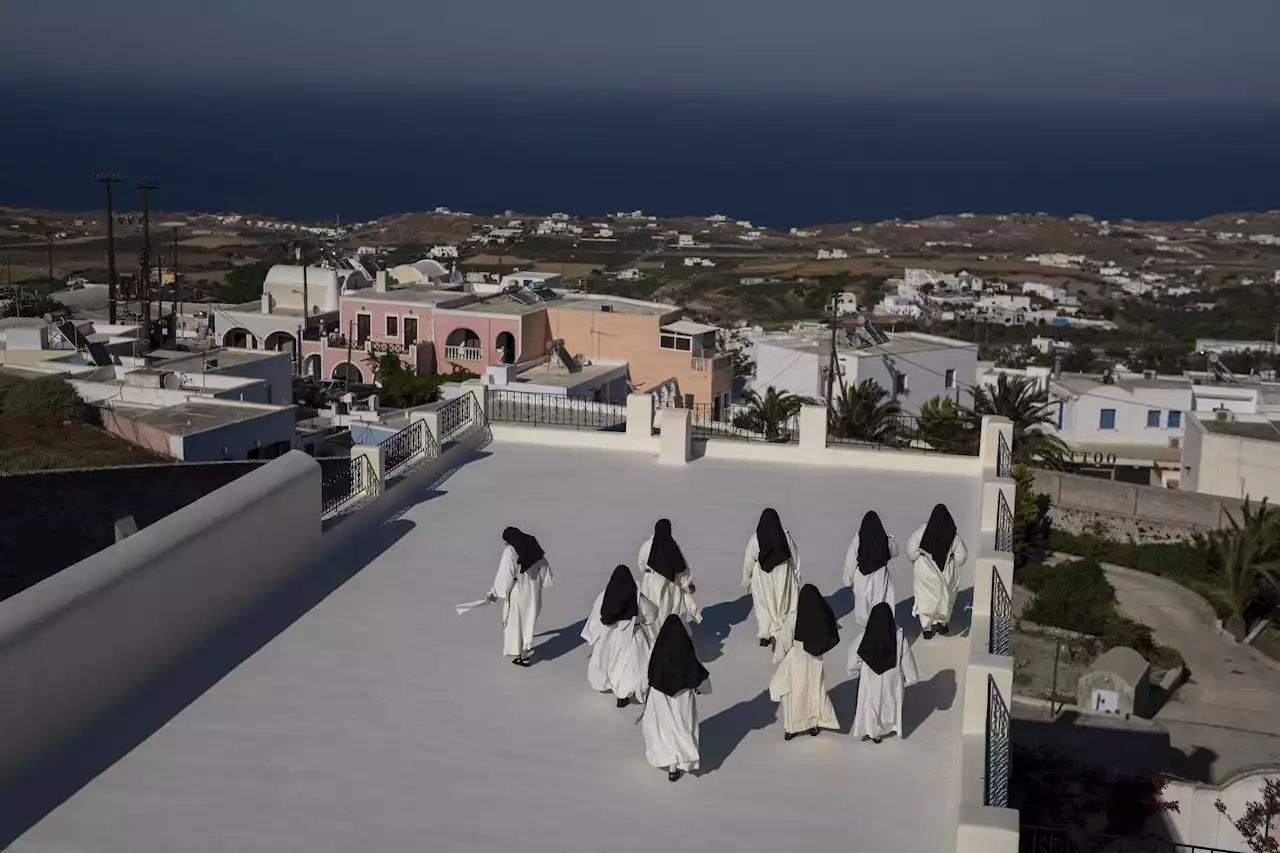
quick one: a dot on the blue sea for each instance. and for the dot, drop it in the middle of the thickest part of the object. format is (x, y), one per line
(778, 162)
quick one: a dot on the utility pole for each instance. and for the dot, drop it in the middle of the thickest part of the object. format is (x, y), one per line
(831, 365)
(173, 267)
(48, 240)
(346, 374)
(107, 181)
(145, 291)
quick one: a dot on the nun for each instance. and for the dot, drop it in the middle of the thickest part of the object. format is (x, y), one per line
(937, 553)
(670, 719)
(866, 568)
(799, 683)
(522, 573)
(882, 662)
(666, 580)
(616, 632)
(771, 570)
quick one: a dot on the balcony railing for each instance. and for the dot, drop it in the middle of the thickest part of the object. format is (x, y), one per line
(1044, 839)
(1000, 639)
(527, 407)
(452, 353)
(458, 416)
(957, 436)
(996, 793)
(405, 446)
(346, 483)
(1004, 525)
(744, 422)
(712, 364)
(389, 346)
(1004, 458)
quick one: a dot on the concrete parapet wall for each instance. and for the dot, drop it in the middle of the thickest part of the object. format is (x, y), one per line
(1146, 513)
(81, 641)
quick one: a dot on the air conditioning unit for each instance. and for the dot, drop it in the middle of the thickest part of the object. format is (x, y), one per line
(1223, 416)
(1175, 442)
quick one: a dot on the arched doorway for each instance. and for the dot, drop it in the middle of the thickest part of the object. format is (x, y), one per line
(506, 347)
(280, 342)
(240, 338)
(463, 344)
(311, 366)
(348, 372)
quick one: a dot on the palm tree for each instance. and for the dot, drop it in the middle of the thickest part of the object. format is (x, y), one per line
(772, 415)
(864, 412)
(946, 426)
(1033, 417)
(1244, 555)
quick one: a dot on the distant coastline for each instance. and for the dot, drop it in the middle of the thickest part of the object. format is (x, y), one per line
(778, 164)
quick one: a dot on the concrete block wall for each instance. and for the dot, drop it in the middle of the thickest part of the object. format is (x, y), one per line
(82, 641)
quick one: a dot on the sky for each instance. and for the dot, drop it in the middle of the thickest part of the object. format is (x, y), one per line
(1045, 51)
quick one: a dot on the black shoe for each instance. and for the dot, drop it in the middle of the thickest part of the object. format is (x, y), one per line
(813, 732)
(674, 775)
(944, 630)
(866, 737)
(622, 703)
(521, 662)
(765, 642)
(875, 740)
(788, 735)
(928, 634)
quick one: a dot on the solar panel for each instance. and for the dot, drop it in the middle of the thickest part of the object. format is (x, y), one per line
(546, 293)
(72, 333)
(99, 354)
(567, 361)
(524, 297)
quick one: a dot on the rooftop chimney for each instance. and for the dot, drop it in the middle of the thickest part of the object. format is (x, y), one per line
(380, 282)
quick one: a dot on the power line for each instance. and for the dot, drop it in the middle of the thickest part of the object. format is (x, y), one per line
(107, 181)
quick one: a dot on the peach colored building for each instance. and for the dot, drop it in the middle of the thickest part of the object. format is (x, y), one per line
(651, 337)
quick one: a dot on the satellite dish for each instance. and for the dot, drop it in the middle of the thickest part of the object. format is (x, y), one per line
(1213, 358)
(172, 381)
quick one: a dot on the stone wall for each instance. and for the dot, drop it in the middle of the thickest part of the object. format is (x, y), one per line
(52, 519)
(1124, 510)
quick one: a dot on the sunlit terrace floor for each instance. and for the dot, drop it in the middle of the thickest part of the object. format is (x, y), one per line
(381, 721)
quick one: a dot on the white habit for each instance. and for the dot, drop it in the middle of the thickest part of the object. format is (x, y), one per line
(521, 597)
(868, 590)
(668, 597)
(935, 588)
(801, 686)
(879, 711)
(619, 652)
(670, 728)
(773, 594)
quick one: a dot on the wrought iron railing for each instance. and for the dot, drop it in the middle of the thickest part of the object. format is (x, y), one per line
(956, 436)
(748, 423)
(529, 407)
(389, 346)
(1000, 641)
(998, 755)
(1004, 525)
(1004, 458)
(458, 416)
(405, 446)
(1044, 839)
(345, 483)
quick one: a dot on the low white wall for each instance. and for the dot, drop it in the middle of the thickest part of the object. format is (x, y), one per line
(76, 644)
(1198, 821)
(568, 437)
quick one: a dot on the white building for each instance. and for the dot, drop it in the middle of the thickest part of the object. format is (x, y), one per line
(685, 241)
(1232, 455)
(832, 254)
(913, 367)
(273, 321)
(630, 274)
(846, 303)
(530, 278)
(699, 262)
(897, 306)
(1004, 302)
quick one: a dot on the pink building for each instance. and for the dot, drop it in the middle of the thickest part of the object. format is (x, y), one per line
(498, 330)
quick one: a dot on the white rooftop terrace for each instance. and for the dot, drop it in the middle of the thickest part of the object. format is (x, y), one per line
(354, 711)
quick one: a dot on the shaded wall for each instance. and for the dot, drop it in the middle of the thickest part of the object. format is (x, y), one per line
(52, 519)
(1122, 510)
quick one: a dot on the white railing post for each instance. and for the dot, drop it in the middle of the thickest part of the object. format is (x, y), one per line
(813, 430)
(373, 454)
(639, 418)
(993, 428)
(675, 446)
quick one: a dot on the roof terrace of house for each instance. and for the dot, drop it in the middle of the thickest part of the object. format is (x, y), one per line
(307, 688)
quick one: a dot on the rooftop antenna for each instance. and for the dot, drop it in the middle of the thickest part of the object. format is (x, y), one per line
(107, 181)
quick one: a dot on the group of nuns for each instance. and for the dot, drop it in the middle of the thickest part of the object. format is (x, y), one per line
(641, 648)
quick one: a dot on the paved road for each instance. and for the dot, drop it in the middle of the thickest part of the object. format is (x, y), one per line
(1228, 713)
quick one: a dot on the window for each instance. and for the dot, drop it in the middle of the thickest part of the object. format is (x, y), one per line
(1107, 419)
(950, 380)
(1175, 420)
(393, 326)
(682, 343)
(899, 383)
(410, 330)
(1061, 406)
(1153, 418)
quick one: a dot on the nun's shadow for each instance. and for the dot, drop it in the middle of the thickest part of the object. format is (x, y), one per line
(719, 735)
(962, 613)
(841, 602)
(909, 624)
(717, 621)
(563, 640)
(918, 702)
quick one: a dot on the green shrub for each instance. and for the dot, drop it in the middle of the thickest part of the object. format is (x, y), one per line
(43, 400)
(1075, 596)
